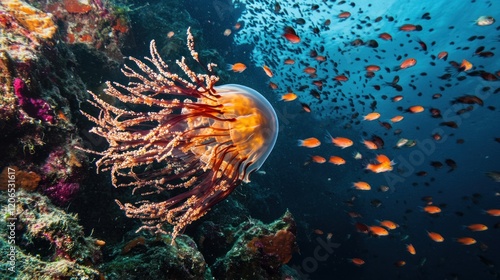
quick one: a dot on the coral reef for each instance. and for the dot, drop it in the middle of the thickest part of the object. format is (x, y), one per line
(49, 243)
(259, 251)
(155, 258)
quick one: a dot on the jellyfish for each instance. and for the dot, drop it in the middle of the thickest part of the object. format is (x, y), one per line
(180, 139)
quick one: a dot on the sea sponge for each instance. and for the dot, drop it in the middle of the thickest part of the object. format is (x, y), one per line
(34, 20)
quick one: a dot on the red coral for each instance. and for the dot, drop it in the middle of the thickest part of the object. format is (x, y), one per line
(75, 7)
(280, 245)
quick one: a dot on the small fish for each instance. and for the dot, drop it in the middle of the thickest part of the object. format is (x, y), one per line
(288, 96)
(237, 67)
(411, 249)
(477, 227)
(371, 116)
(309, 142)
(410, 27)
(485, 20)
(436, 237)
(357, 261)
(336, 160)
(318, 159)
(378, 231)
(415, 109)
(400, 263)
(305, 107)
(397, 119)
(443, 55)
(407, 63)
(290, 35)
(465, 66)
(388, 224)
(344, 15)
(401, 142)
(357, 155)
(341, 142)
(385, 36)
(361, 186)
(466, 240)
(268, 71)
(493, 212)
(422, 44)
(451, 163)
(370, 145)
(432, 209)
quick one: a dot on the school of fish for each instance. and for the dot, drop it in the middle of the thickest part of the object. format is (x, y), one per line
(395, 71)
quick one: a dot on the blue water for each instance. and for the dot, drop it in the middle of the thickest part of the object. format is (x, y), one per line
(317, 193)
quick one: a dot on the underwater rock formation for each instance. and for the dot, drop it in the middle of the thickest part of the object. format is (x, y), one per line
(47, 244)
(260, 251)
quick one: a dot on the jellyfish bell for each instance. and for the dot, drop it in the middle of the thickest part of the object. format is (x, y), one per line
(251, 123)
(196, 141)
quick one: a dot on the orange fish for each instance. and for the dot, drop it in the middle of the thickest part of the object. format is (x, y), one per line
(305, 107)
(432, 209)
(342, 142)
(384, 164)
(397, 98)
(400, 263)
(410, 27)
(415, 109)
(477, 227)
(357, 261)
(341, 78)
(397, 119)
(237, 67)
(310, 70)
(443, 55)
(309, 142)
(318, 159)
(273, 86)
(436, 237)
(372, 68)
(385, 36)
(336, 160)
(465, 66)
(493, 212)
(411, 249)
(344, 15)
(320, 58)
(371, 116)
(389, 224)
(378, 231)
(289, 96)
(289, 61)
(361, 186)
(407, 63)
(370, 145)
(290, 35)
(268, 71)
(466, 240)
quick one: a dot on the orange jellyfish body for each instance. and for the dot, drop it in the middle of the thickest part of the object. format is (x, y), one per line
(202, 147)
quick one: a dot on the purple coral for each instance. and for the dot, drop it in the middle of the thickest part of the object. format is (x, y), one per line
(34, 107)
(62, 192)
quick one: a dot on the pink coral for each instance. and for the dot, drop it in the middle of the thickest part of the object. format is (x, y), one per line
(62, 192)
(35, 107)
